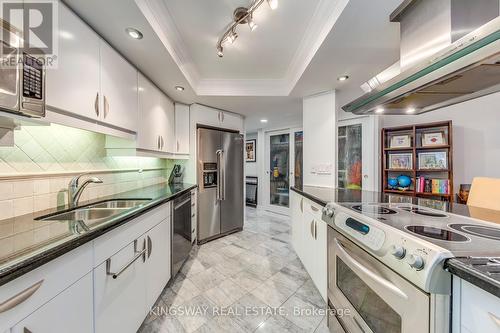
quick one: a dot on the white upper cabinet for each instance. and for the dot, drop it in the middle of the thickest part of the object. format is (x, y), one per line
(230, 120)
(181, 128)
(205, 115)
(150, 115)
(74, 85)
(167, 131)
(156, 118)
(118, 89)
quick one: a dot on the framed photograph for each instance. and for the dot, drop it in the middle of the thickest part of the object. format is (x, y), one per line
(433, 161)
(250, 150)
(433, 139)
(400, 141)
(401, 161)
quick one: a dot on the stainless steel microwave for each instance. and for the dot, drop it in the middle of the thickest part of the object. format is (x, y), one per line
(22, 76)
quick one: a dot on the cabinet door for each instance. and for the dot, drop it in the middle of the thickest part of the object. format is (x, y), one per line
(158, 261)
(167, 131)
(296, 203)
(231, 121)
(150, 115)
(182, 128)
(74, 85)
(320, 256)
(120, 304)
(119, 90)
(308, 255)
(70, 311)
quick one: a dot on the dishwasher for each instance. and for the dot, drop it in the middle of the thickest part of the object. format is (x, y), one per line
(181, 232)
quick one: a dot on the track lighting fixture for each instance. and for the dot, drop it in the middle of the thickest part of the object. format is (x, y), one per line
(251, 23)
(241, 15)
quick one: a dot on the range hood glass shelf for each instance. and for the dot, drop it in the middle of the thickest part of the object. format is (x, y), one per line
(455, 87)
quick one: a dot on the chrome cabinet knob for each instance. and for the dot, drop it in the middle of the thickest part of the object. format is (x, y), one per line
(416, 262)
(328, 212)
(398, 252)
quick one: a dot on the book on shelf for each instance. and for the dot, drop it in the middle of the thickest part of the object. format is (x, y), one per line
(435, 186)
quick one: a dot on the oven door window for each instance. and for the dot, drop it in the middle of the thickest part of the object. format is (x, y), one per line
(376, 313)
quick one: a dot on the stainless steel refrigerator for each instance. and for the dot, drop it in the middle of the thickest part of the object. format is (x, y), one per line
(220, 183)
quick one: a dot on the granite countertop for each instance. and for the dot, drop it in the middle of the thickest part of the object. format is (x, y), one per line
(482, 272)
(474, 270)
(27, 243)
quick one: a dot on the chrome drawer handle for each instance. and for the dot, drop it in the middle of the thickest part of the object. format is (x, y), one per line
(314, 208)
(19, 298)
(137, 255)
(301, 205)
(150, 246)
(96, 104)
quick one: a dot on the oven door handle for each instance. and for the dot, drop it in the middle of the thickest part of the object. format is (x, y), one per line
(367, 272)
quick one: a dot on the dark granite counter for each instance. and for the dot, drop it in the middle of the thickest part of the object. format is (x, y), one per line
(27, 243)
(481, 272)
(474, 270)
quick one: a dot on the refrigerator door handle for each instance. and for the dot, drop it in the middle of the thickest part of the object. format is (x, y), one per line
(223, 176)
(218, 191)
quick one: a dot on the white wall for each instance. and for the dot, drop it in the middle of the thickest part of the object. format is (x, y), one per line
(476, 136)
(319, 124)
(251, 167)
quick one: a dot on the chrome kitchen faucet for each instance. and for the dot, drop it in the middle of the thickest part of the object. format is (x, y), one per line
(75, 190)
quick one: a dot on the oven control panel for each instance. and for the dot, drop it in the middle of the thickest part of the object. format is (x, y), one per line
(368, 234)
(416, 260)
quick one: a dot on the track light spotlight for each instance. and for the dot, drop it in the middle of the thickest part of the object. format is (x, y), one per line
(251, 24)
(220, 51)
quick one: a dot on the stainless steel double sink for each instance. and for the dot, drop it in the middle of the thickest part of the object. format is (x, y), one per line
(96, 212)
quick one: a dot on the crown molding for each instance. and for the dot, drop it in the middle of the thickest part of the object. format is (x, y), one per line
(324, 17)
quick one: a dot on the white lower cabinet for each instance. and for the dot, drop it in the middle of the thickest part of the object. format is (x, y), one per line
(70, 311)
(478, 310)
(309, 239)
(158, 261)
(120, 299)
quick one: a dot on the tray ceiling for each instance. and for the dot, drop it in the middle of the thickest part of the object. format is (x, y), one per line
(266, 62)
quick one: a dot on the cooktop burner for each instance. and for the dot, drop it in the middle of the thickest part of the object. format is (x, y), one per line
(373, 209)
(478, 230)
(421, 211)
(437, 233)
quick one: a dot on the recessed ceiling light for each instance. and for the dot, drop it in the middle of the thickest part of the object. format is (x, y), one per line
(343, 78)
(263, 121)
(411, 110)
(134, 33)
(379, 110)
(179, 88)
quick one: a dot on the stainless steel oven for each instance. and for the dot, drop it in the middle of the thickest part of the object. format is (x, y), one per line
(22, 76)
(372, 297)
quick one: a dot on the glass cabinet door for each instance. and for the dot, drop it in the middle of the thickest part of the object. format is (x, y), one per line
(279, 174)
(299, 162)
(350, 157)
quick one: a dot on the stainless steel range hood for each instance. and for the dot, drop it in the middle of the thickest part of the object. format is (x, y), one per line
(466, 69)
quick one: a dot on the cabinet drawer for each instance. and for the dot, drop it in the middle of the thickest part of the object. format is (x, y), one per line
(110, 243)
(312, 208)
(70, 311)
(120, 303)
(44, 283)
(480, 310)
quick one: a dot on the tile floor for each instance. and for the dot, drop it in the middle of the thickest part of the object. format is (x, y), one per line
(251, 281)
